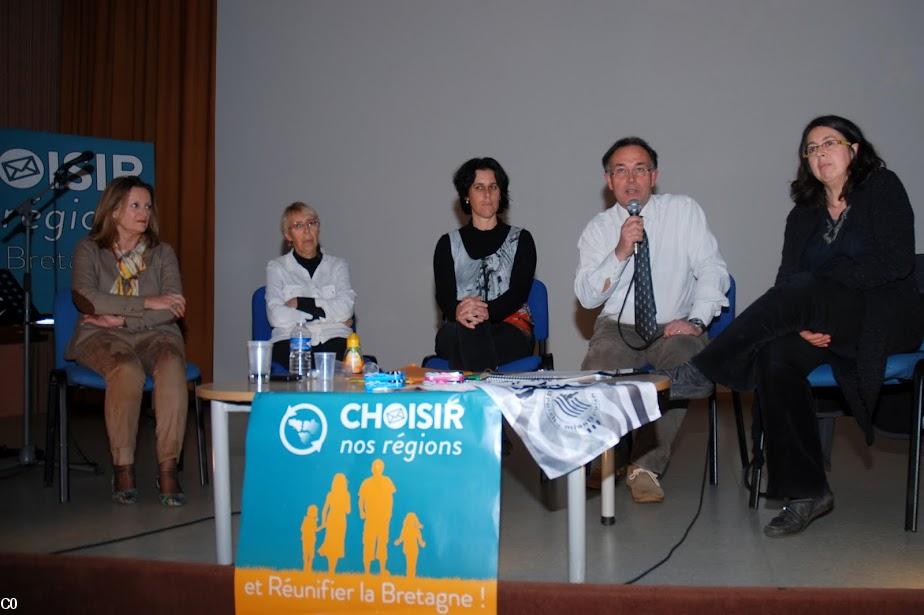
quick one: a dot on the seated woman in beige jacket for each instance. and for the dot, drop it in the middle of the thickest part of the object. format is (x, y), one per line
(126, 284)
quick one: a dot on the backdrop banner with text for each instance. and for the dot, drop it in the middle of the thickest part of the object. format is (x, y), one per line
(370, 502)
(28, 161)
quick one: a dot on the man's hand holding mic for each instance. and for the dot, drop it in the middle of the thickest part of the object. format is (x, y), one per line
(632, 232)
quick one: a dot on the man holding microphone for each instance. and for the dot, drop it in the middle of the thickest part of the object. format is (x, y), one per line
(655, 266)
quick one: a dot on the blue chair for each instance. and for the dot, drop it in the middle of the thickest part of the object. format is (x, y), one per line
(260, 328)
(900, 369)
(538, 302)
(67, 374)
(718, 324)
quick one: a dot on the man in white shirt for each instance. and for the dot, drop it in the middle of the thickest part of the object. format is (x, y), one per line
(689, 280)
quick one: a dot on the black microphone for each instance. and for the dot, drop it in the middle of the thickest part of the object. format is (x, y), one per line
(634, 208)
(73, 162)
(84, 169)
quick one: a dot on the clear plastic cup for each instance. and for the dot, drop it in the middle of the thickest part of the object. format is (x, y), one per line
(259, 355)
(325, 363)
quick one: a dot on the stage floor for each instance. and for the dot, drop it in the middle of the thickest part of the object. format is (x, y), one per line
(862, 543)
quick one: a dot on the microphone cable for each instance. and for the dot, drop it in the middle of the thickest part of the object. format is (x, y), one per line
(153, 532)
(686, 532)
(625, 298)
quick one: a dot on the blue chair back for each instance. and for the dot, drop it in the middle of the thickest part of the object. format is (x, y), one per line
(260, 328)
(66, 315)
(538, 301)
(727, 314)
(899, 367)
(65, 323)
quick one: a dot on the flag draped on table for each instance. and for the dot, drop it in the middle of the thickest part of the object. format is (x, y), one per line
(566, 424)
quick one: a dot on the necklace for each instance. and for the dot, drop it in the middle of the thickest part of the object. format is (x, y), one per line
(834, 226)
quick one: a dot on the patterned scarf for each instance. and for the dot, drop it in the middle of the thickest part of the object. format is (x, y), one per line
(130, 265)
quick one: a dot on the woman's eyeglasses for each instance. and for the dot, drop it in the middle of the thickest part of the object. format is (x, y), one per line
(307, 224)
(813, 149)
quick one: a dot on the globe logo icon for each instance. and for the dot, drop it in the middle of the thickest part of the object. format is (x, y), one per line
(303, 429)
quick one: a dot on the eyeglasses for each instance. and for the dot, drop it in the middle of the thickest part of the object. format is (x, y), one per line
(482, 188)
(307, 224)
(813, 149)
(624, 172)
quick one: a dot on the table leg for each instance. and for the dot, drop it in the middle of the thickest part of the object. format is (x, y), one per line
(221, 485)
(577, 502)
(608, 487)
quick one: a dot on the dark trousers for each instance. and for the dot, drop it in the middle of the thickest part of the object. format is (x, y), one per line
(335, 344)
(795, 463)
(484, 347)
(761, 349)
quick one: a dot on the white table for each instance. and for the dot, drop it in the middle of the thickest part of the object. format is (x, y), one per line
(228, 397)
(231, 397)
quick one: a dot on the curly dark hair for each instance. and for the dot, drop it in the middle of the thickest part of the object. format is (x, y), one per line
(465, 177)
(806, 190)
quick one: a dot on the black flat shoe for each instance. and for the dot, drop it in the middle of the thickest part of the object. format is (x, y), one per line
(798, 514)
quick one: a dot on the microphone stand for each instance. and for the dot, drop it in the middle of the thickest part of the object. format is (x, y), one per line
(27, 213)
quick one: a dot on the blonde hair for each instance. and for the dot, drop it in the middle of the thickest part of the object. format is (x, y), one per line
(295, 208)
(104, 231)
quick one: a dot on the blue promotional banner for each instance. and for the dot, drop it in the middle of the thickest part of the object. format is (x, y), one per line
(28, 161)
(370, 502)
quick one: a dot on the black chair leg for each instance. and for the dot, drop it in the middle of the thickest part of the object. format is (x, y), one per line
(757, 463)
(64, 478)
(51, 425)
(756, 473)
(713, 441)
(200, 439)
(914, 452)
(739, 425)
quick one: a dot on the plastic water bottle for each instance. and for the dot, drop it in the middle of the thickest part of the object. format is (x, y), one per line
(300, 350)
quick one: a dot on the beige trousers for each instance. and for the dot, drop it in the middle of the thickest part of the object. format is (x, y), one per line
(123, 359)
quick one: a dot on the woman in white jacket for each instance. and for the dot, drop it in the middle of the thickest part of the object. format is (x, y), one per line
(307, 284)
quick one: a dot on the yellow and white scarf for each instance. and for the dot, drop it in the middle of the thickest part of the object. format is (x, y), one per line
(130, 265)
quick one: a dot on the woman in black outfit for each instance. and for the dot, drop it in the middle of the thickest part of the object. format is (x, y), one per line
(845, 294)
(483, 273)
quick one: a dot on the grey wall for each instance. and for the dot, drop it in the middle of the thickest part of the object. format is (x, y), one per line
(365, 109)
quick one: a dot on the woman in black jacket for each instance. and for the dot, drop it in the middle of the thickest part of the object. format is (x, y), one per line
(845, 294)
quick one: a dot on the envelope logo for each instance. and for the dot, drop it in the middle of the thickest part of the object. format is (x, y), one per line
(21, 168)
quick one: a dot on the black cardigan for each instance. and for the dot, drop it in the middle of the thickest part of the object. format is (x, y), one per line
(884, 273)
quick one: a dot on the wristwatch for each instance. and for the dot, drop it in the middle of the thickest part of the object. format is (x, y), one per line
(697, 323)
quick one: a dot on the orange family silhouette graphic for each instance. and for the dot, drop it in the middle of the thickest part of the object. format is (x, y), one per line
(376, 502)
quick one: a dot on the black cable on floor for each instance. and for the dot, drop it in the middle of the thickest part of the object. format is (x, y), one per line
(686, 532)
(86, 460)
(139, 535)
